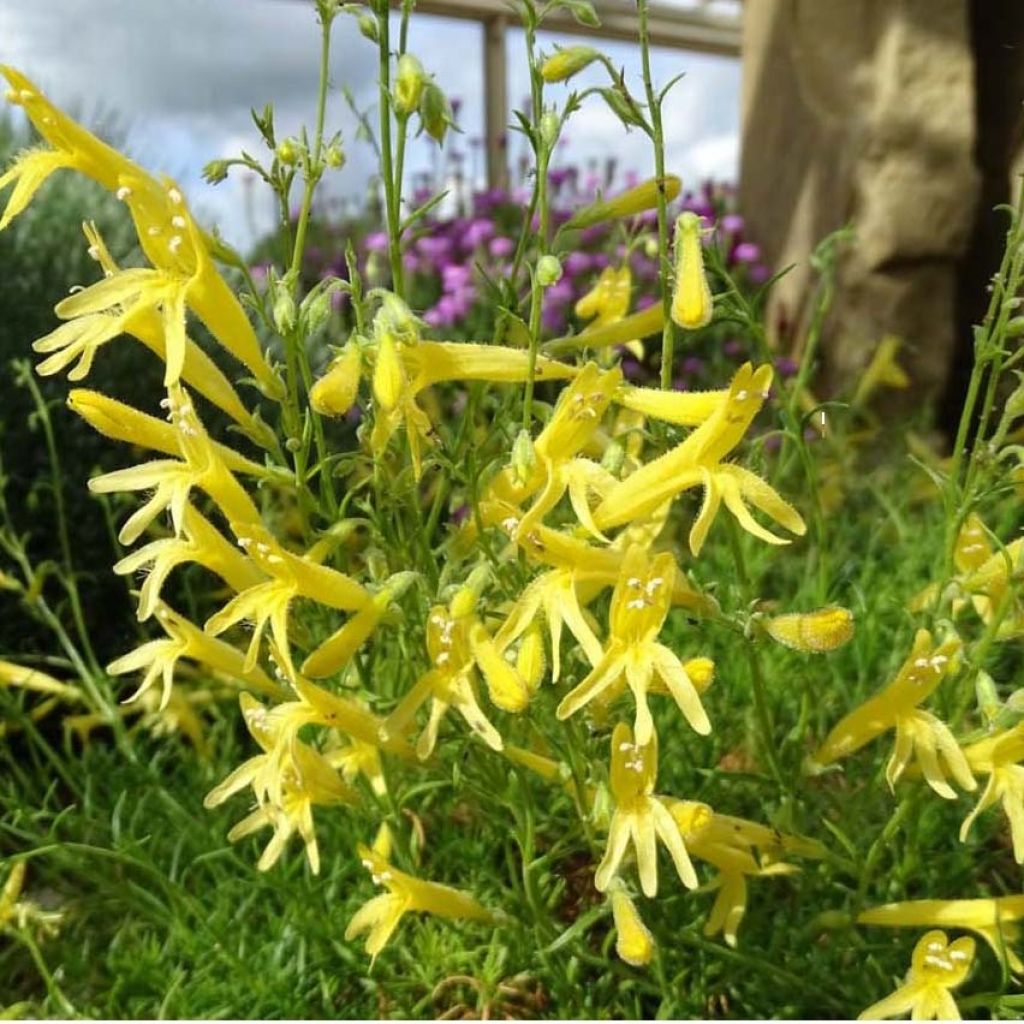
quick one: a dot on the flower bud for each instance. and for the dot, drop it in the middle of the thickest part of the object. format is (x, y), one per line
(550, 126)
(409, 82)
(368, 27)
(633, 942)
(283, 308)
(814, 632)
(530, 661)
(388, 373)
(287, 151)
(334, 156)
(394, 317)
(524, 458)
(621, 107)
(561, 66)
(651, 247)
(692, 305)
(701, 672)
(215, 171)
(335, 392)
(549, 270)
(613, 458)
(435, 112)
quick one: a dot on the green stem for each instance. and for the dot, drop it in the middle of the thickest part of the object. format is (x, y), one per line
(658, 141)
(391, 198)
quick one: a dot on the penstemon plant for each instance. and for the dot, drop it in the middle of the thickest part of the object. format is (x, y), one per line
(504, 595)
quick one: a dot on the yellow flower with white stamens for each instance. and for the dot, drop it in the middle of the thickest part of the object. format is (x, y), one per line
(999, 757)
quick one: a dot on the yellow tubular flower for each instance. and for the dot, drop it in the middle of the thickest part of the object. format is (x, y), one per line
(620, 332)
(73, 147)
(697, 462)
(121, 422)
(917, 731)
(608, 301)
(633, 942)
(335, 392)
(692, 305)
(405, 893)
(640, 817)
(299, 776)
(640, 605)
(938, 966)
(826, 629)
(171, 481)
(199, 542)
(882, 371)
(686, 408)
(634, 200)
(730, 845)
(338, 649)
(290, 576)
(999, 758)
(159, 658)
(26, 678)
(458, 645)
(996, 920)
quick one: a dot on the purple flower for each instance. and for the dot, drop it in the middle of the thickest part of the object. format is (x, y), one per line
(461, 514)
(593, 234)
(478, 233)
(645, 301)
(410, 261)
(734, 347)
(434, 247)
(601, 260)
(786, 367)
(501, 247)
(631, 369)
(455, 276)
(558, 176)
(259, 273)
(376, 241)
(773, 442)
(746, 252)
(732, 223)
(693, 366)
(577, 263)
(758, 273)
(561, 292)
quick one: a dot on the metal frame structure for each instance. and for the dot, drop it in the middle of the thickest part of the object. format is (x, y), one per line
(695, 28)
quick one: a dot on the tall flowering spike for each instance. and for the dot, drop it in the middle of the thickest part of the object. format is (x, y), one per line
(458, 646)
(290, 576)
(71, 147)
(938, 966)
(996, 920)
(288, 780)
(640, 817)
(640, 605)
(171, 481)
(158, 659)
(405, 894)
(633, 941)
(697, 462)
(917, 731)
(999, 757)
(692, 306)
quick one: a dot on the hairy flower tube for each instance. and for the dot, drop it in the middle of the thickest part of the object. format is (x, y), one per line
(999, 757)
(697, 462)
(996, 920)
(640, 605)
(692, 306)
(633, 941)
(813, 632)
(917, 731)
(937, 967)
(632, 201)
(405, 894)
(640, 817)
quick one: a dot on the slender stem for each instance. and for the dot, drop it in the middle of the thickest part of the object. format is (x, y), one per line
(658, 141)
(391, 197)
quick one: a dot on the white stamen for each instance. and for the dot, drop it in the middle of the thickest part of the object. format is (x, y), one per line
(179, 222)
(174, 195)
(123, 193)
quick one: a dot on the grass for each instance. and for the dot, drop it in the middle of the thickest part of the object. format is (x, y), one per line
(165, 919)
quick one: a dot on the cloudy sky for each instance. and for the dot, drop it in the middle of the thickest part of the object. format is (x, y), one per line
(180, 78)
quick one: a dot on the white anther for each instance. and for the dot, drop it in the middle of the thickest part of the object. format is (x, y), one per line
(922, 663)
(633, 581)
(123, 193)
(637, 603)
(939, 660)
(652, 585)
(175, 243)
(274, 559)
(94, 252)
(25, 95)
(179, 222)
(174, 195)
(443, 658)
(262, 548)
(741, 395)
(152, 231)
(623, 747)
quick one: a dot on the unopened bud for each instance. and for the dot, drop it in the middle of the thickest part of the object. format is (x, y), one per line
(549, 270)
(633, 941)
(622, 108)
(561, 66)
(287, 151)
(435, 112)
(334, 156)
(215, 171)
(814, 632)
(335, 392)
(550, 126)
(524, 458)
(368, 27)
(409, 82)
(530, 661)
(626, 204)
(692, 305)
(613, 458)
(283, 307)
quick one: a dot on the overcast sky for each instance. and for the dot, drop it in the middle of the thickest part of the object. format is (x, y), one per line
(181, 76)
